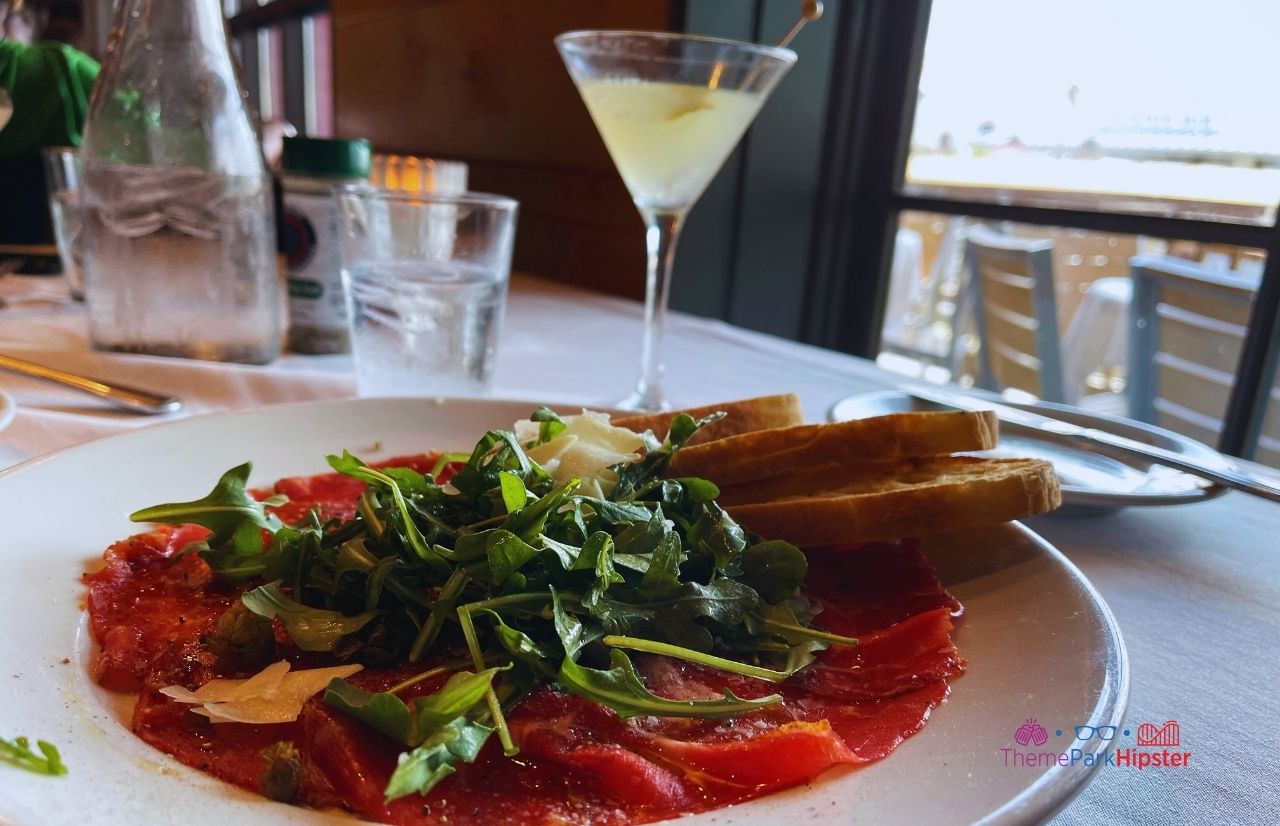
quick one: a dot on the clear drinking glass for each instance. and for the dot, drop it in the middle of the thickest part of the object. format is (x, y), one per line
(179, 233)
(670, 108)
(426, 275)
(63, 174)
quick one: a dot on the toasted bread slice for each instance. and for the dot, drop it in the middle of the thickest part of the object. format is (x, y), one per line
(820, 480)
(912, 498)
(784, 451)
(745, 416)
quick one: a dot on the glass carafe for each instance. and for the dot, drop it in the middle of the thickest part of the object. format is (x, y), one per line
(179, 231)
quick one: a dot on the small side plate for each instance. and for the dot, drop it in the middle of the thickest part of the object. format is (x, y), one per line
(1093, 478)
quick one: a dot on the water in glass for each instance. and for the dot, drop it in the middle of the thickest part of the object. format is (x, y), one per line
(181, 263)
(425, 327)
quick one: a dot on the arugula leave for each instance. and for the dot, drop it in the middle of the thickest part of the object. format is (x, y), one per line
(799, 657)
(313, 629)
(17, 752)
(635, 476)
(514, 494)
(662, 576)
(411, 724)
(621, 689)
(234, 562)
(775, 569)
(517, 643)
(420, 770)
(549, 425)
(616, 513)
(507, 553)
(572, 633)
(441, 729)
(716, 535)
(349, 465)
(498, 451)
(529, 521)
(383, 711)
(222, 511)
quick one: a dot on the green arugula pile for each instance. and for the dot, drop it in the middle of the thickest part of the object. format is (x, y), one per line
(528, 581)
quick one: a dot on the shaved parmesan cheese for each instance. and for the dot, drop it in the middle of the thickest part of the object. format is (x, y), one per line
(585, 449)
(228, 691)
(273, 695)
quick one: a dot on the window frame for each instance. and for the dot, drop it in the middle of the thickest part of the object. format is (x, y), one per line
(880, 48)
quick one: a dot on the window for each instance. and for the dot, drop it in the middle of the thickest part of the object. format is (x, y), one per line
(1268, 436)
(1147, 106)
(1121, 313)
(1073, 200)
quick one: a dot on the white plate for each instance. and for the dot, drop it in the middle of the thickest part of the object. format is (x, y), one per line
(1039, 640)
(1094, 478)
(8, 409)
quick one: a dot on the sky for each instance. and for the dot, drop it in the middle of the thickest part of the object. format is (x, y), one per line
(1012, 61)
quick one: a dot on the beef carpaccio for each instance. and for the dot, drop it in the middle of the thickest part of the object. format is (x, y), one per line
(578, 762)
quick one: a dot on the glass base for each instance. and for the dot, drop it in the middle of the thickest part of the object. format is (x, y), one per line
(645, 400)
(230, 352)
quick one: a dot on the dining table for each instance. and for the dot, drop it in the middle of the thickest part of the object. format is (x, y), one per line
(1195, 588)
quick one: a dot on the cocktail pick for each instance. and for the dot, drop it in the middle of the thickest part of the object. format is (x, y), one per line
(811, 10)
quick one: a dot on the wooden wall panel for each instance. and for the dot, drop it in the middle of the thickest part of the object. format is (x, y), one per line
(480, 81)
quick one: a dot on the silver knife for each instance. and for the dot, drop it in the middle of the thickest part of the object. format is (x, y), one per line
(1230, 477)
(129, 398)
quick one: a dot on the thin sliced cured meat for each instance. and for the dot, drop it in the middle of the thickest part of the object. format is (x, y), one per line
(334, 494)
(579, 762)
(909, 655)
(144, 605)
(788, 755)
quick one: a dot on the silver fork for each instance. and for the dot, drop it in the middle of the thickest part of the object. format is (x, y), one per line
(128, 398)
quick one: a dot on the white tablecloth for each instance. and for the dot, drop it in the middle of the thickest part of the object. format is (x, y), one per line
(906, 278)
(1195, 588)
(1098, 335)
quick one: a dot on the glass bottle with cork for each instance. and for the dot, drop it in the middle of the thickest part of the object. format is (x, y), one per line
(310, 169)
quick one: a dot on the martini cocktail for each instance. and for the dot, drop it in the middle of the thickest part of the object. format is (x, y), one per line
(670, 109)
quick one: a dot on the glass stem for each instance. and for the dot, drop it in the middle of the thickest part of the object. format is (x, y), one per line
(661, 234)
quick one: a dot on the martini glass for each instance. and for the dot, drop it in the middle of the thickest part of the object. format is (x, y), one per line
(670, 108)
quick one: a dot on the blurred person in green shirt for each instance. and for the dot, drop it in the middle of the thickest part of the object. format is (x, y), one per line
(48, 84)
(45, 89)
